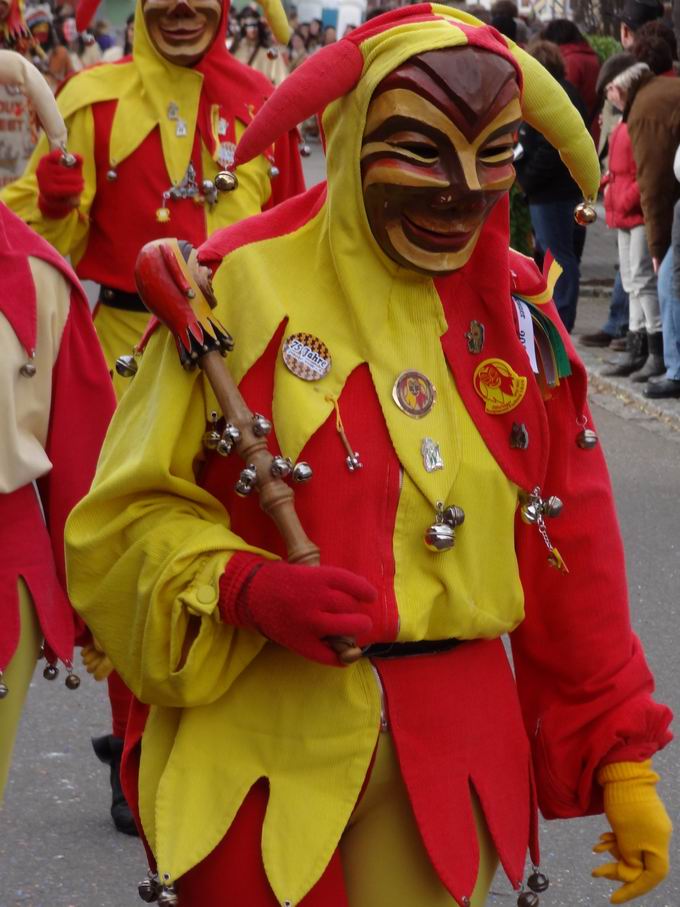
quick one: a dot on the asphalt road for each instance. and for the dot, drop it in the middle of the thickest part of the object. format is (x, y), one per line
(58, 847)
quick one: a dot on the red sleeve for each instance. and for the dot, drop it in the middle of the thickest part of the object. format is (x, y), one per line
(291, 180)
(81, 408)
(584, 685)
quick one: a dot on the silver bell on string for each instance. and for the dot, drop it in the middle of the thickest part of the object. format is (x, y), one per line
(281, 467)
(111, 175)
(587, 439)
(274, 171)
(585, 214)
(261, 426)
(28, 369)
(302, 472)
(246, 481)
(72, 681)
(531, 512)
(528, 899)
(441, 535)
(272, 53)
(149, 888)
(538, 881)
(4, 689)
(168, 898)
(126, 366)
(226, 181)
(553, 506)
(50, 672)
(305, 150)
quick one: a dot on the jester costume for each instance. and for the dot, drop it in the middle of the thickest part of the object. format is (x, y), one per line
(55, 404)
(152, 135)
(262, 772)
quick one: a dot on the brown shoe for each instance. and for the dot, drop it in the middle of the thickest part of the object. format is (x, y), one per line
(599, 338)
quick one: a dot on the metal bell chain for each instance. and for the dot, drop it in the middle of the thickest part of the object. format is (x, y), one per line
(533, 511)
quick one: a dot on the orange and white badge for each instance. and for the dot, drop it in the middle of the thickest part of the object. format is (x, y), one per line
(499, 386)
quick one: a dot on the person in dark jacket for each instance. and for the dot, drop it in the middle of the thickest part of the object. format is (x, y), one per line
(551, 191)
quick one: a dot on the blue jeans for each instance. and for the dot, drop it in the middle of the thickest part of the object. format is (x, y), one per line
(617, 323)
(554, 227)
(670, 317)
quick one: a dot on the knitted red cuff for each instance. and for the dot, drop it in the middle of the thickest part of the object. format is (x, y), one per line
(53, 209)
(238, 571)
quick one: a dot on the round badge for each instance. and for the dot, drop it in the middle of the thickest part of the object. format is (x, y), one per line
(306, 356)
(414, 394)
(499, 386)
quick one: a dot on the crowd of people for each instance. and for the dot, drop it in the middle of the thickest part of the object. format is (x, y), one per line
(254, 771)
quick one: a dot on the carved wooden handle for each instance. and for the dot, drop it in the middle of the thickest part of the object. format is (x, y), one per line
(276, 498)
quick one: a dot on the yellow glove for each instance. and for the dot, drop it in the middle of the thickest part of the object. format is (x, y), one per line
(96, 661)
(641, 830)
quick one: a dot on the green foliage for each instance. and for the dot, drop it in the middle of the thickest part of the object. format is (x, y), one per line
(604, 46)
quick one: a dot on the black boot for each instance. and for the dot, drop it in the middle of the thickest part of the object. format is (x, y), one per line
(109, 750)
(634, 357)
(654, 364)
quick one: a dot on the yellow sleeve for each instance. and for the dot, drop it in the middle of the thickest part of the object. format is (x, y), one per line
(147, 546)
(67, 234)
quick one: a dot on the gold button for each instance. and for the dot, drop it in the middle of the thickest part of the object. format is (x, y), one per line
(206, 595)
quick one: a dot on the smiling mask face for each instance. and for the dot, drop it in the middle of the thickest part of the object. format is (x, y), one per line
(437, 154)
(182, 30)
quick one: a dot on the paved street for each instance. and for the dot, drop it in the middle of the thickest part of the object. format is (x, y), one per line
(58, 847)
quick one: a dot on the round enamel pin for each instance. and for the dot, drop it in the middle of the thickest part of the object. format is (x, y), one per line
(306, 356)
(414, 394)
(499, 386)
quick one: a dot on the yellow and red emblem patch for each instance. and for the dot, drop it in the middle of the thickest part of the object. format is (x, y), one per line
(499, 386)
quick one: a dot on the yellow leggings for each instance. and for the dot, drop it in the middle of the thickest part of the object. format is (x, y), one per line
(119, 332)
(18, 678)
(383, 857)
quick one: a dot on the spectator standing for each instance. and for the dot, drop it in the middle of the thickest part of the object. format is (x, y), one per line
(297, 52)
(653, 115)
(634, 15)
(581, 66)
(551, 191)
(254, 47)
(655, 53)
(644, 354)
(116, 52)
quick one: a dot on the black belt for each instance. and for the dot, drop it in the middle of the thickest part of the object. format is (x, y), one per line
(405, 649)
(119, 299)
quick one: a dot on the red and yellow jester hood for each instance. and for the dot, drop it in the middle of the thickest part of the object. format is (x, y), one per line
(316, 260)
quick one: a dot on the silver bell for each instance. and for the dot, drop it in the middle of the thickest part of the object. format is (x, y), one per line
(281, 467)
(28, 369)
(274, 171)
(302, 472)
(553, 506)
(207, 187)
(167, 898)
(587, 439)
(440, 537)
(272, 53)
(72, 681)
(261, 426)
(149, 888)
(111, 175)
(453, 516)
(225, 181)
(353, 462)
(531, 512)
(211, 439)
(126, 366)
(4, 689)
(305, 150)
(246, 481)
(50, 672)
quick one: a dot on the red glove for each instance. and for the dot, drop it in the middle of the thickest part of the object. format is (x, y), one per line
(59, 186)
(300, 607)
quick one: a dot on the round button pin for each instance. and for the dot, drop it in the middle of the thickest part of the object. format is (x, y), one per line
(414, 394)
(306, 356)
